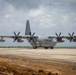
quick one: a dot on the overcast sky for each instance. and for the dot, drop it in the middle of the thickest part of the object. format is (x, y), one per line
(46, 17)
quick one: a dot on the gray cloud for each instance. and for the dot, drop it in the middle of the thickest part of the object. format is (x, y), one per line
(24, 4)
(61, 12)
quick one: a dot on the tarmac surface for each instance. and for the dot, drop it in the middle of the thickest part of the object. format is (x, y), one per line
(51, 54)
(40, 61)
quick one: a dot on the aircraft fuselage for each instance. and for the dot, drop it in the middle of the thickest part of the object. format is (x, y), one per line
(45, 42)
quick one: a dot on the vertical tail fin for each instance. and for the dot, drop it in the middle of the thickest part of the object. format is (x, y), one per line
(27, 31)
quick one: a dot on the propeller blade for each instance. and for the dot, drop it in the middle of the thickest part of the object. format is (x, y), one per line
(30, 33)
(14, 33)
(16, 38)
(31, 37)
(72, 33)
(56, 34)
(59, 34)
(69, 34)
(33, 34)
(71, 40)
(18, 33)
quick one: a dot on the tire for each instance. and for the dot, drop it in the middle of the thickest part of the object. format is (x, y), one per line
(35, 47)
(51, 47)
(46, 47)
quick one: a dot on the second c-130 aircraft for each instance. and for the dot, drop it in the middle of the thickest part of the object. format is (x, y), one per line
(36, 41)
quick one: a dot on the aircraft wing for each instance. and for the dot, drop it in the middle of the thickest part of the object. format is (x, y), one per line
(70, 38)
(22, 37)
(60, 38)
(17, 38)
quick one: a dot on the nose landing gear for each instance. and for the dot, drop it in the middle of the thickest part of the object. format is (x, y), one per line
(48, 47)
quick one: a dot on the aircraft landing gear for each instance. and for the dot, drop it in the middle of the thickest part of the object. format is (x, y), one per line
(51, 47)
(46, 47)
(35, 47)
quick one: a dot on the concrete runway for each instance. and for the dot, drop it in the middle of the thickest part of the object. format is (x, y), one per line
(50, 54)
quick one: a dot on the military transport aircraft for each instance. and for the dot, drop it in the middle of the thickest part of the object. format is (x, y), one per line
(36, 41)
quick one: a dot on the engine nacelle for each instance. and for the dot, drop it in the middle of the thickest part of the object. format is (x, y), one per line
(74, 40)
(1, 40)
(60, 40)
(20, 41)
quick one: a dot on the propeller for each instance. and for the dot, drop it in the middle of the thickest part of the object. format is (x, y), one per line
(16, 36)
(31, 37)
(59, 39)
(58, 35)
(71, 36)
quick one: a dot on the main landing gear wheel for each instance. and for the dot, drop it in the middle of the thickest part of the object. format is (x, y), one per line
(35, 47)
(46, 47)
(51, 47)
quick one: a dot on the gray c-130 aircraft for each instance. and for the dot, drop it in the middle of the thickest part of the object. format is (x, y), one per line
(36, 41)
